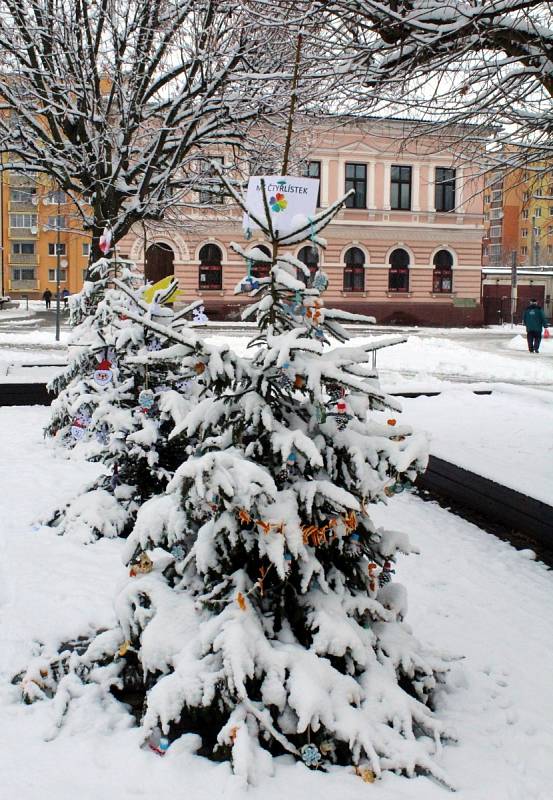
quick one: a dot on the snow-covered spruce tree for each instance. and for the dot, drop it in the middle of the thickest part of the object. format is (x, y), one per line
(261, 612)
(113, 409)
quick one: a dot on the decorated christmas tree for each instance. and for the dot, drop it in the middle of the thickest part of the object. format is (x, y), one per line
(114, 408)
(261, 611)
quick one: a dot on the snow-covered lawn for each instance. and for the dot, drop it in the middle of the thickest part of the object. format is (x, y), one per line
(469, 594)
(504, 436)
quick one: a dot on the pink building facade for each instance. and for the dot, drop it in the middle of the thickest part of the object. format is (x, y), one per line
(407, 249)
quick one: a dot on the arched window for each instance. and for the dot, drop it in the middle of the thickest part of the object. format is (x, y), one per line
(211, 271)
(261, 269)
(310, 257)
(354, 271)
(442, 278)
(398, 275)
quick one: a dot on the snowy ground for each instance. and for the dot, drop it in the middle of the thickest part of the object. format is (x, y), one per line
(502, 436)
(470, 594)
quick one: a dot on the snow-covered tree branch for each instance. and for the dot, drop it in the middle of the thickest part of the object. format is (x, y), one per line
(485, 62)
(117, 101)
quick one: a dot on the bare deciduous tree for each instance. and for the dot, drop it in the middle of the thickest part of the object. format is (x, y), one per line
(117, 100)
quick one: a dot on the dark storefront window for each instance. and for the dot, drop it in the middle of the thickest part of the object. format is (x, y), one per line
(354, 271)
(442, 278)
(211, 271)
(398, 276)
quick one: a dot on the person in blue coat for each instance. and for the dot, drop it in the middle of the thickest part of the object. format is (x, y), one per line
(535, 320)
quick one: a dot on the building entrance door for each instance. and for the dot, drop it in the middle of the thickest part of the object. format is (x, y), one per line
(159, 262)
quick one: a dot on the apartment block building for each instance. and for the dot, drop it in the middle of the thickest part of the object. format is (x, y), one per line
(518, 219)
(406, 248)
(37, 223)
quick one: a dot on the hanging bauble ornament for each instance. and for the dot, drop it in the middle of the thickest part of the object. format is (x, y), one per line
(341, 416)
(387, 572)
(283, 378)
(158, 743)
(389, 490)
(289, 308)
(178, 552)
(102, 435)
(334, 390)
(299, 382)
(146, 399)
(291, 460)
(78, 428)
(143, 566)
(354, 544)
(199, 316)
(366, 774)
(249, 284)
(103, 374)
(373, 576)
(320, 413)
(311, 756)
(199, 368)
(320, 281)
(115, 480)
(123, 648)
(184, 386)
(154, 345)
(105, 241)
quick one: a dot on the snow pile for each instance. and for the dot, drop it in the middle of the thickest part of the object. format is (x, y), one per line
(500, 706)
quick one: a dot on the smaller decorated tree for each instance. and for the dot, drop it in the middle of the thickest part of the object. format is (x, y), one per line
(113, 406)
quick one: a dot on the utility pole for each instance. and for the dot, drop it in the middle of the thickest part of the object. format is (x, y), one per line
(58, 256)
(514, 289)
(2, 289)
(59, 263)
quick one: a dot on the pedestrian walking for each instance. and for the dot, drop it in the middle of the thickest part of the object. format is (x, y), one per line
(535, 321)
(47, 297)
(65, 297)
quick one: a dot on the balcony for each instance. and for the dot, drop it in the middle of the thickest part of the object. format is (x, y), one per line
(22, 206)
(24, 178)
(25, 259)
(22, 286)
(17, 233)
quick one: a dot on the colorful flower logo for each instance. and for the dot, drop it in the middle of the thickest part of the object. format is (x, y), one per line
(278, 202)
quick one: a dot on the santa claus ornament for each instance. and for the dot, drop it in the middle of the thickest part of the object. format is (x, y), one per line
(78, 428)
(341, 416)
(104, 374)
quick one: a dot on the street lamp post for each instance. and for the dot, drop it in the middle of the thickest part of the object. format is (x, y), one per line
(58, 256)
(59, 263)
(514, 289)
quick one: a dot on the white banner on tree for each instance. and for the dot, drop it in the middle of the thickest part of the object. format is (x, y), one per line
(290, 201)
